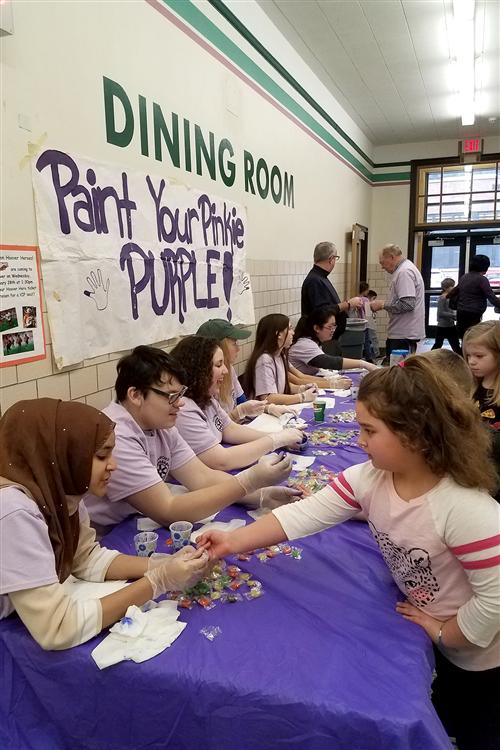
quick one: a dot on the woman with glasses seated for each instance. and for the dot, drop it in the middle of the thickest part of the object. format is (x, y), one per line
(152, 456)
(202, 421)
(306, 353)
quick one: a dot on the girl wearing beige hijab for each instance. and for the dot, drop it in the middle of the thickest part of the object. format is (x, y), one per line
(51, 454)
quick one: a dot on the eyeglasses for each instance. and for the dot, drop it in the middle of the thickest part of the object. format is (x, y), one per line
(172, 396)
(330, 328)
(334, 257)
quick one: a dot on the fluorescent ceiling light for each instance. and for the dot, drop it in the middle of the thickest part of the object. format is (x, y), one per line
(463, 44)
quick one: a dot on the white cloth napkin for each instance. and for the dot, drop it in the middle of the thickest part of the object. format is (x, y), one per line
(142, 633)
(300, 462)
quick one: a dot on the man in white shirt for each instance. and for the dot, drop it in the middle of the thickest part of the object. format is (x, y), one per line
(405, 303)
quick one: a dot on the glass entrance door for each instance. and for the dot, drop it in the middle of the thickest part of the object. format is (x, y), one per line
(443, 257)
(488, 244)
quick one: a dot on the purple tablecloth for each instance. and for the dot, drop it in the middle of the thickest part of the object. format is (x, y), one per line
(320, 662)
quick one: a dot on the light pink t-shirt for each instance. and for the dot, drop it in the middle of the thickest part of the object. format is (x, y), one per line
(144, 458)
(202, 428)
(270, 376)
(443, 548)
(406, 281)
(302, 352)
(27, 557)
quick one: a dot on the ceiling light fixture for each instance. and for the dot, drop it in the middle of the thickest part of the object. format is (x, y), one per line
(464, 51)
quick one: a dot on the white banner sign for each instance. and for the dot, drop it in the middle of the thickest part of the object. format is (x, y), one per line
(129, 258)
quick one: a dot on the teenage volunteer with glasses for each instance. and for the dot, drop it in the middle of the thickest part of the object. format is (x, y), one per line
(149, 450)
(311, 333)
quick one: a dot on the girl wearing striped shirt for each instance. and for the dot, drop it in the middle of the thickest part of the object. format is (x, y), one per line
(425, 493)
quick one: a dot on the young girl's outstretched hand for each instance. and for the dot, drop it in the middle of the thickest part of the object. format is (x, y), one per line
(414, 614)
(216, 543)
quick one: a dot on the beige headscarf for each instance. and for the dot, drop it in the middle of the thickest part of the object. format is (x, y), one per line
(47, 447)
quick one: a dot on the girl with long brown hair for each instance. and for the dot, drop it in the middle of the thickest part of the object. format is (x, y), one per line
(425, 492)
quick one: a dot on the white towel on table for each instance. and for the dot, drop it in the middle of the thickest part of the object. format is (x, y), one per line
(142, 633)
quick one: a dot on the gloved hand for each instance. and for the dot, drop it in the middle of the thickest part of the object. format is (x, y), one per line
(273, 497)
(179, 572)
(269, 470)
(276, 411)
(309, 395)
(250, 409)
(306, 387)
(340, 382)
(290, 436)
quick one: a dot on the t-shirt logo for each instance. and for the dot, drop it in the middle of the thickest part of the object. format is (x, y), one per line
(412, 569)
(218, 423)
(163, 467)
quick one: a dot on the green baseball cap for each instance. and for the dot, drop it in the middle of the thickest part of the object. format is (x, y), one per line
(219, 329)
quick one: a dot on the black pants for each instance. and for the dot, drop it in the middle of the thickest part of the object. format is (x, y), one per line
(466, 320)
(468, 704)
(451, 334)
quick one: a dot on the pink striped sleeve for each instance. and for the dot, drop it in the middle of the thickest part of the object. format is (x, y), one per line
(341, 486)
(479, 554)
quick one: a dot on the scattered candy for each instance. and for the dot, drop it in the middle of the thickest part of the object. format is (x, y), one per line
(253, 593)
(343, 416)
(243, 557)
(185, 602)
(262, 557)
(211, 632)
(311, 480)
(297, 553)
(205, 602)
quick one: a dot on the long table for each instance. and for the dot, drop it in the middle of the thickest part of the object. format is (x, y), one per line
(322, 661)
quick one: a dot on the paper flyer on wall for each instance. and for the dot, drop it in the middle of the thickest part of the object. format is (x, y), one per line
(22, 336)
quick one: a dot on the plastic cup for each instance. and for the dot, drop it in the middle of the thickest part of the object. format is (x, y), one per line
(181, 533)
(145, 543)
(354, 392)
(319, 411)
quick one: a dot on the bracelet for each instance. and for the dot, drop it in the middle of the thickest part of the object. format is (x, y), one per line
(439, 641)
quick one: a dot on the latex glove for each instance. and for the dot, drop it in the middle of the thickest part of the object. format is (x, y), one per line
(250, 409)
(340, 382)
(276, 411)
(273, 497)
(306, 387)
(179, 572)
(356, 302)
(310, 395)
(289, 437)
(269, 470)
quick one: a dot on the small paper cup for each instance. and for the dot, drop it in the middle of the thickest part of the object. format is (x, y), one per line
(319, 411)
(181, 533)
(145, 543)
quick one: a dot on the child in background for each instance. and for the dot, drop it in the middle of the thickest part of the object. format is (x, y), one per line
(425, 493)
(446, 319)
(454, 366)
(366, 313)
(481, 347)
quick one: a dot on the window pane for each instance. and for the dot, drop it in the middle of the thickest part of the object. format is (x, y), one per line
(456, 179)
(493, 253)
(498, 207)
(482, 210)
(455, 208)
(483, 178)
(433, 209)
(433, 302)
(444, 264)
(434, 183)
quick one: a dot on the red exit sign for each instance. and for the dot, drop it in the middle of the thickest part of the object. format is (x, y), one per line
(472, 145)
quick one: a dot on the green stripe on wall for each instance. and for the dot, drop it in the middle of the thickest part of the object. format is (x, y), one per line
(204, 26)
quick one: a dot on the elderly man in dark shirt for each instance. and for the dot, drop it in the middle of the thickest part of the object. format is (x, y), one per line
(318, 291)
(471, 295)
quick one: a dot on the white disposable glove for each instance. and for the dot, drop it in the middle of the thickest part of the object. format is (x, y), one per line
(289, 437)
(273, 497)
(309, 395)
(179, 572)
(249, 409)
(340, 382)
(306, 387)
(269, 470)
(276, 411)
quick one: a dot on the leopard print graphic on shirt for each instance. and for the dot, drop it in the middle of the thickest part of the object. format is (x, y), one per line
(411, 569)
